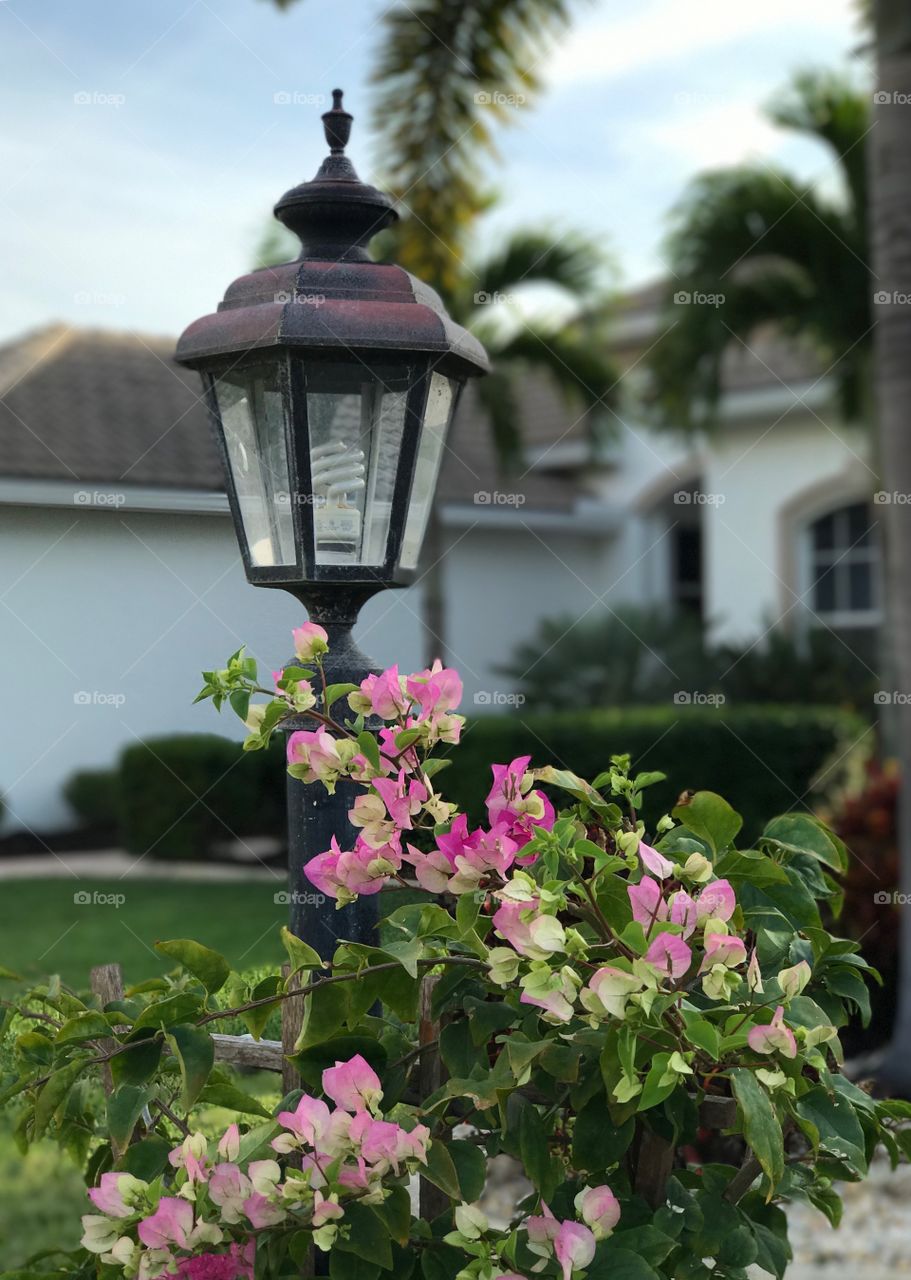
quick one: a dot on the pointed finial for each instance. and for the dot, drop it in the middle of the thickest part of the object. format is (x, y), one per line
(337, 124)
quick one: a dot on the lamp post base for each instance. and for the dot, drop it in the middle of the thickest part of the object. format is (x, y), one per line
(314, 817)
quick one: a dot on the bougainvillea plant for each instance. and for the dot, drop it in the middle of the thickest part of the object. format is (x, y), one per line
(646, 1021)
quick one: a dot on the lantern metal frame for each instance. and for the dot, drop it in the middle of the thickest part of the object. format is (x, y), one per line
(293, 386)
(332, 305)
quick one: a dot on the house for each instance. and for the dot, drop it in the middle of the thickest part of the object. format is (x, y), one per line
(120, 578)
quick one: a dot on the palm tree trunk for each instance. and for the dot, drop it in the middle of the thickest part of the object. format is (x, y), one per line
(433, 612)
(890, 224)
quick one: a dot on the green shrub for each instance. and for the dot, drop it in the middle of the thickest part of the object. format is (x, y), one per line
(94, 796)
(181, 795)
(764, 758)
(644, 656)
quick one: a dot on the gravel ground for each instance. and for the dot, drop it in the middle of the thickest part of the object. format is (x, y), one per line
(874, 1239)
(872, 1243)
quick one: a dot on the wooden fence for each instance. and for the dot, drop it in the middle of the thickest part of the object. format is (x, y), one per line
(272, 1055)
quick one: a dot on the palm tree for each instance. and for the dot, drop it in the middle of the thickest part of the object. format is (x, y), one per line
(572, 354)
(447, 73)
(890, 224)
(779, 251)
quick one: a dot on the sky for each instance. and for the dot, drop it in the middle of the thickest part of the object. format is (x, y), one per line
(145, 141)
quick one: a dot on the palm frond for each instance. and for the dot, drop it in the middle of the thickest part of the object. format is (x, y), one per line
(570, 262)
(573, 357)
(499, 397)
(767, 250)
(825, 105)
(685, 365)
(449, 72)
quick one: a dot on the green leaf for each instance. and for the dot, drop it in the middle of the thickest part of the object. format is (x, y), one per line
(255, 1019)
(396, 1213)
(597, 1142)
(369, 1235)
(194, 1049)
(164, 1013)
(471, 1169)
(540, 1163)
(85, 1026)
(336, 691)
(240, 702)
(300, 954)
(146, 1159)
(211, 968)
(124, 1107)
(486, 1017)
(802, 833)
(761, 1126)
(468, 909)
(226, 1095)
(703, 1035)
(441, 1262)
(653, 1091)
(647, 1242)
(441, 1170)
(55, 1092)
(407, 953)
(831, 1124)
(325, 1010)
(254, 1144)
(710, 817)
(348, 1266)
(620, 1264)
(370, 748)
(137, 1065)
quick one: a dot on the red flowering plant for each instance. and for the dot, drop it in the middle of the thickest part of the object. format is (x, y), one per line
(604, 994)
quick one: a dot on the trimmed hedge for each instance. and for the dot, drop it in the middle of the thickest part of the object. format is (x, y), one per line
(181, 795)
(763, 759)
(94, 796)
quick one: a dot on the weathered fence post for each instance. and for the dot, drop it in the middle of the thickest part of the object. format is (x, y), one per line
(430, 1077)
(107, 985)
(292, 1021)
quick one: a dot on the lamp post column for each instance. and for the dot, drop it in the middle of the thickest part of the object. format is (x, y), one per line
(315, 818)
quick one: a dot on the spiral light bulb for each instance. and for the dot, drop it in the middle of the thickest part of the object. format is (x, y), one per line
(336, 469)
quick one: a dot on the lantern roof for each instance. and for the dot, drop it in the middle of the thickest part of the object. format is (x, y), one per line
(334, 297)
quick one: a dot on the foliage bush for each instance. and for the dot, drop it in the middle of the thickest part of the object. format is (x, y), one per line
(152, 790)
(182, 795)
(764, 758)
(94, 795)
(867, 821)
(594, 1002)
(634, 655)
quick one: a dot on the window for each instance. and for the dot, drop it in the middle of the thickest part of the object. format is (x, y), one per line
(686, 569)
(844, 567)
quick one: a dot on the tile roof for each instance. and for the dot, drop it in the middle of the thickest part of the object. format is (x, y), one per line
(113, 408)
(107, 407)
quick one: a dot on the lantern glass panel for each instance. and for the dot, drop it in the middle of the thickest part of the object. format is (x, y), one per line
(356, 421)
(252, 412)
(440, 402)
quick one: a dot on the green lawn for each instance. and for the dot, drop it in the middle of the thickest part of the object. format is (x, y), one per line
(44, 930)
(41, 1200)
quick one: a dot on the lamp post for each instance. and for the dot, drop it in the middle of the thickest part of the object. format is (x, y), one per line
(331, 383)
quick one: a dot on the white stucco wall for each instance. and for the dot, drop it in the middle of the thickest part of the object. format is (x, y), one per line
(773, 479)
(125, 609)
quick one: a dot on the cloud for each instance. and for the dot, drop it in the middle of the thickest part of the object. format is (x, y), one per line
(669, 30)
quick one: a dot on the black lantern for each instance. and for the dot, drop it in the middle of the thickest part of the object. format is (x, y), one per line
(332, 382)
